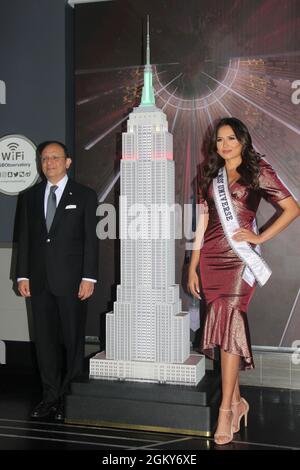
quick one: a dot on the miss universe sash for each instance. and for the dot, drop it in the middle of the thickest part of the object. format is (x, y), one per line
(256, 267)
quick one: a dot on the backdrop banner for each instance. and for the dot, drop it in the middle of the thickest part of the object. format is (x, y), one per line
(211, 59)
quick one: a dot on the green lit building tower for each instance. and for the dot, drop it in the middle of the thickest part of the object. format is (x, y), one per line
(147, 334)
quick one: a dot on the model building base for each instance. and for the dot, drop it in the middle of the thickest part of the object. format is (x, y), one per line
(188, 373)
(146, 406)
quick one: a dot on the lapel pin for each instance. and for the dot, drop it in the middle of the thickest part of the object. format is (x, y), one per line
(70, 194)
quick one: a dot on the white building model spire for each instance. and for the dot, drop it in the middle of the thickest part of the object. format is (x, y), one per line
(147, 335)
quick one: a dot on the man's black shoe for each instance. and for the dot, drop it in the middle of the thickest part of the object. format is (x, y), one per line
(60, 412)
(44, 409)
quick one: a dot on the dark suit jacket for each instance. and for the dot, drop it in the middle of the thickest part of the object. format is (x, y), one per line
(69, 251)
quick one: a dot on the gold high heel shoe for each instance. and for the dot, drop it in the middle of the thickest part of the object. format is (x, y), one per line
(236, 426)
(221, 434)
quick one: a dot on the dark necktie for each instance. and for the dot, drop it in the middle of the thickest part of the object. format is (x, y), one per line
(51, 207)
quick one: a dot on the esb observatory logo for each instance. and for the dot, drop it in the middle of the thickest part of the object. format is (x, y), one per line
(18, 168)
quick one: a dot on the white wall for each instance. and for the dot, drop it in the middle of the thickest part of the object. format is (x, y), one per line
(14, 322)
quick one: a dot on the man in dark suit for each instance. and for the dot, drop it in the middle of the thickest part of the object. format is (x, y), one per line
(57, 268)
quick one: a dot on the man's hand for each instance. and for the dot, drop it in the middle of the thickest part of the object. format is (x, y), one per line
(23, 288)
(86, 289)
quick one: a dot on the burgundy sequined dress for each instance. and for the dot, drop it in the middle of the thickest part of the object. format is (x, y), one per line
(226, 294)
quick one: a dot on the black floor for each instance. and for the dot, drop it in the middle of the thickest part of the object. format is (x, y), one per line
(273, 424)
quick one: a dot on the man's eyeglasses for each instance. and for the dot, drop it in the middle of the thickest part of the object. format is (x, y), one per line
(51, 159)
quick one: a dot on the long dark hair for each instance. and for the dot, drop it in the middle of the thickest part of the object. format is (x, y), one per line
(248, 169)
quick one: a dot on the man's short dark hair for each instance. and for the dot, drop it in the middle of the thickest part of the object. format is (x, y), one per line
(45, 144)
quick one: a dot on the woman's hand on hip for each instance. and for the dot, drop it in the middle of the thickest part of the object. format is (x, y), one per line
(245, 235)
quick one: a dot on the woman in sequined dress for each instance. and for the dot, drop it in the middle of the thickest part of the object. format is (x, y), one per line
(227, 294)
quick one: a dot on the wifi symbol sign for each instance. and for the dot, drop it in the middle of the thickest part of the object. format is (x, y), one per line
(12, 146)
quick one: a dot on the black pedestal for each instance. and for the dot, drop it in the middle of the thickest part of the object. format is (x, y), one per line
(146, 406)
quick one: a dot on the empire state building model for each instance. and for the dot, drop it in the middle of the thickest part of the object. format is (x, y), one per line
(147, 334)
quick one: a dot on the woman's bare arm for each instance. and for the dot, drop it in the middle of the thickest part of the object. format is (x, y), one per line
(193, 280)
(290, 212)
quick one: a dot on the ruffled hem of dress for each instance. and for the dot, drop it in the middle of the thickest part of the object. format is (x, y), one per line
(226, 327)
